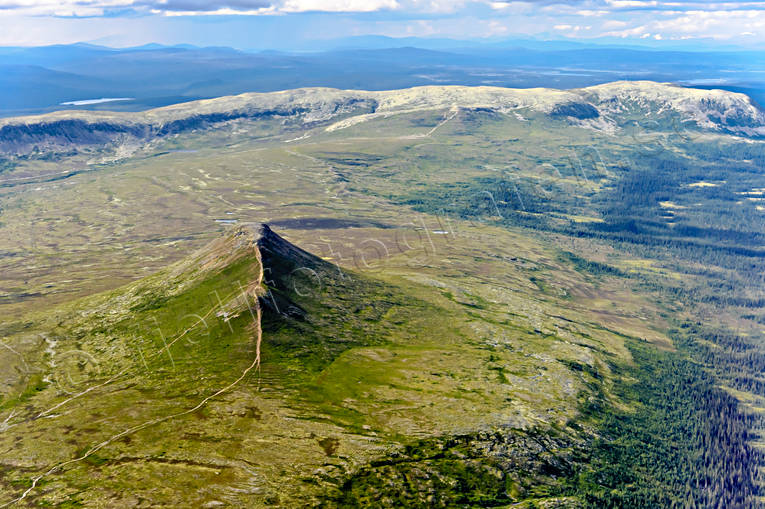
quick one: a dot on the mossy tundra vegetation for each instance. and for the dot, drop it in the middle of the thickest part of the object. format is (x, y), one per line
(467, 297)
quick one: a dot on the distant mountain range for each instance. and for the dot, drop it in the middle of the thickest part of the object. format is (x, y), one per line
(40, 79)
(610, 108)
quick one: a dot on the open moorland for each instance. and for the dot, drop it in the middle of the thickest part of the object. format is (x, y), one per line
(465, 296)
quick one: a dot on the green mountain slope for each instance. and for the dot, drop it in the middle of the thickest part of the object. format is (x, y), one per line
(156, 393)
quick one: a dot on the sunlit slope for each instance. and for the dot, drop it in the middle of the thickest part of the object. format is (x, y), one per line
(152, 394)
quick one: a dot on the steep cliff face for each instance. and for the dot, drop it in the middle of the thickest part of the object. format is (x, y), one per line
(175, 363)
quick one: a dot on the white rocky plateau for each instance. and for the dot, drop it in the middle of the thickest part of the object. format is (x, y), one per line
(710, 109)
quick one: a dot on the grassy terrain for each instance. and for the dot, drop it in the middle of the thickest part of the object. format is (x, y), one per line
(354, 368)
(521, 310)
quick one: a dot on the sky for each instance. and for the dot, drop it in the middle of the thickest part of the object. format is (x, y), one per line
(295, 24)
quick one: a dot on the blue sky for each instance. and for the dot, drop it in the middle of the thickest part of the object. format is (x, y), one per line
(291, 24)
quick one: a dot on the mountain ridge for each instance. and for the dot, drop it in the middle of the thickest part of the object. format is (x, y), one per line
(716, 110)
(430, 95)
(341, 387)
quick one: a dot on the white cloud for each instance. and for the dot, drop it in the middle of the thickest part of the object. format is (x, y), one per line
(581, 8)
(497, 28)
(720, 25)
(613, 24)
(62, 8)
(587, 13)
(658, 20)
(632, 3)
(219, 12)
(80, 8)
(338, 5)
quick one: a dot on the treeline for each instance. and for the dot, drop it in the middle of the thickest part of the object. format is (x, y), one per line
(732, 357)
(686, 445)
